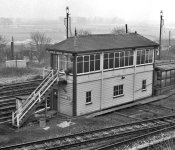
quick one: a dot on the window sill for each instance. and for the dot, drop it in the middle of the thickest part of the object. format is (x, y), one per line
(118, 96)
(144, 90)
(88, 103)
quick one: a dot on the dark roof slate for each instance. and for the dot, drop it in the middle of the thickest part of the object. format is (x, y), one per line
(102, 42)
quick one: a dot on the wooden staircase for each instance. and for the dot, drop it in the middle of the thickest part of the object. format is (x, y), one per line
(35, 99)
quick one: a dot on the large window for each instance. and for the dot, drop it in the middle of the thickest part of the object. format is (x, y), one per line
(118, 59)
(62, 62)
(88, 63)
(108, 60)
(144, 56)
(118, 90)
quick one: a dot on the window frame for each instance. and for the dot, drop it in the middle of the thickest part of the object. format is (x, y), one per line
(120, 57)
(148, 56)
(89, 63)
(88, 97)
(118, 89)
(144, 87)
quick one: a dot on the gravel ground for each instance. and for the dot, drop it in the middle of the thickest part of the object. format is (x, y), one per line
(32, 131)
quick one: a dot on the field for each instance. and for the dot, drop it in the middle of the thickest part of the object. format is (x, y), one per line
(56, 31)
(13, 75)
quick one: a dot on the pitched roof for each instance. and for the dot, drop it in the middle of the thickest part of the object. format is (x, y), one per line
(102, 42)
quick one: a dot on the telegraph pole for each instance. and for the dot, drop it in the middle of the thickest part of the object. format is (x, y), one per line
(169, 40)
(160, 37)
(67, 23)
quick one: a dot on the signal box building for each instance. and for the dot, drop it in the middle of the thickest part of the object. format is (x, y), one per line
(102, 71)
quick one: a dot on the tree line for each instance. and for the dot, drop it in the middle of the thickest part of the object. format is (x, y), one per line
(36, 48)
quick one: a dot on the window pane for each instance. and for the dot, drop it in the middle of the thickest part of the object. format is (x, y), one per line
(122, 59)
(79, 58)
(143, 57)
(117, 60)
(150, 56)
(118, 90)
(97, 62)
(105, 55)
(139, 57)
(88, 97)
(126, 61)
(105, 65)
(147, 56)
(111, 60)
(92, 57)
(97, 65)
(86, 58)
(143, 84)
(86, 66)
(131, 60)
(127, 53)
(92, 65)
(117, 54)
(97, 56)
(80, 67)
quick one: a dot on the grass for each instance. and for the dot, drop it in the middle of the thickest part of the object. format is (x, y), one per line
(14, 75)
(10, 72)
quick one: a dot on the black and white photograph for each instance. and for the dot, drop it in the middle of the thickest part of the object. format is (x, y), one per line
(87, 74)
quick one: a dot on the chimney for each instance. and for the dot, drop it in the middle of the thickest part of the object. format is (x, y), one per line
(12, 49)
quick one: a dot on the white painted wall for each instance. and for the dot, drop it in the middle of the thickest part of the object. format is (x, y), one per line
(92, 82)
(82, 88)
(65, 99)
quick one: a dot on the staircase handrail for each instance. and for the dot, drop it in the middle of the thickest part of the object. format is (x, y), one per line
(31, 100)
(32, 94)
(40, 95)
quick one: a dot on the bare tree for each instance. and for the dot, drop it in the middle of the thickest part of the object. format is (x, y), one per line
(84, 32)
(39, 42)
(118, 30)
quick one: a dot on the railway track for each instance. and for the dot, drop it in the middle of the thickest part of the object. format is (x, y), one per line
(76, 140)
(8, 94)
(146, 141)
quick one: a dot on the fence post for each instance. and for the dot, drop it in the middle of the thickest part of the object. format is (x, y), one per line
(43, 73)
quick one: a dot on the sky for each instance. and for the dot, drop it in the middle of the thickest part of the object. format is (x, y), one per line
(128, 10)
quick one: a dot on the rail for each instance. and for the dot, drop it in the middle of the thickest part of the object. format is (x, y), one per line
(121, 131)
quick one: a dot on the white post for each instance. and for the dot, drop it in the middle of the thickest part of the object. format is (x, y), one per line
(13, 118)
(134, 75)
(57, 75)
(101, 68)
(39, 97)
(43, 73)
(17, 120)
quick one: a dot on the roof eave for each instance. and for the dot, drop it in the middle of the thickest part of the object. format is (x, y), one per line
(99, 50)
